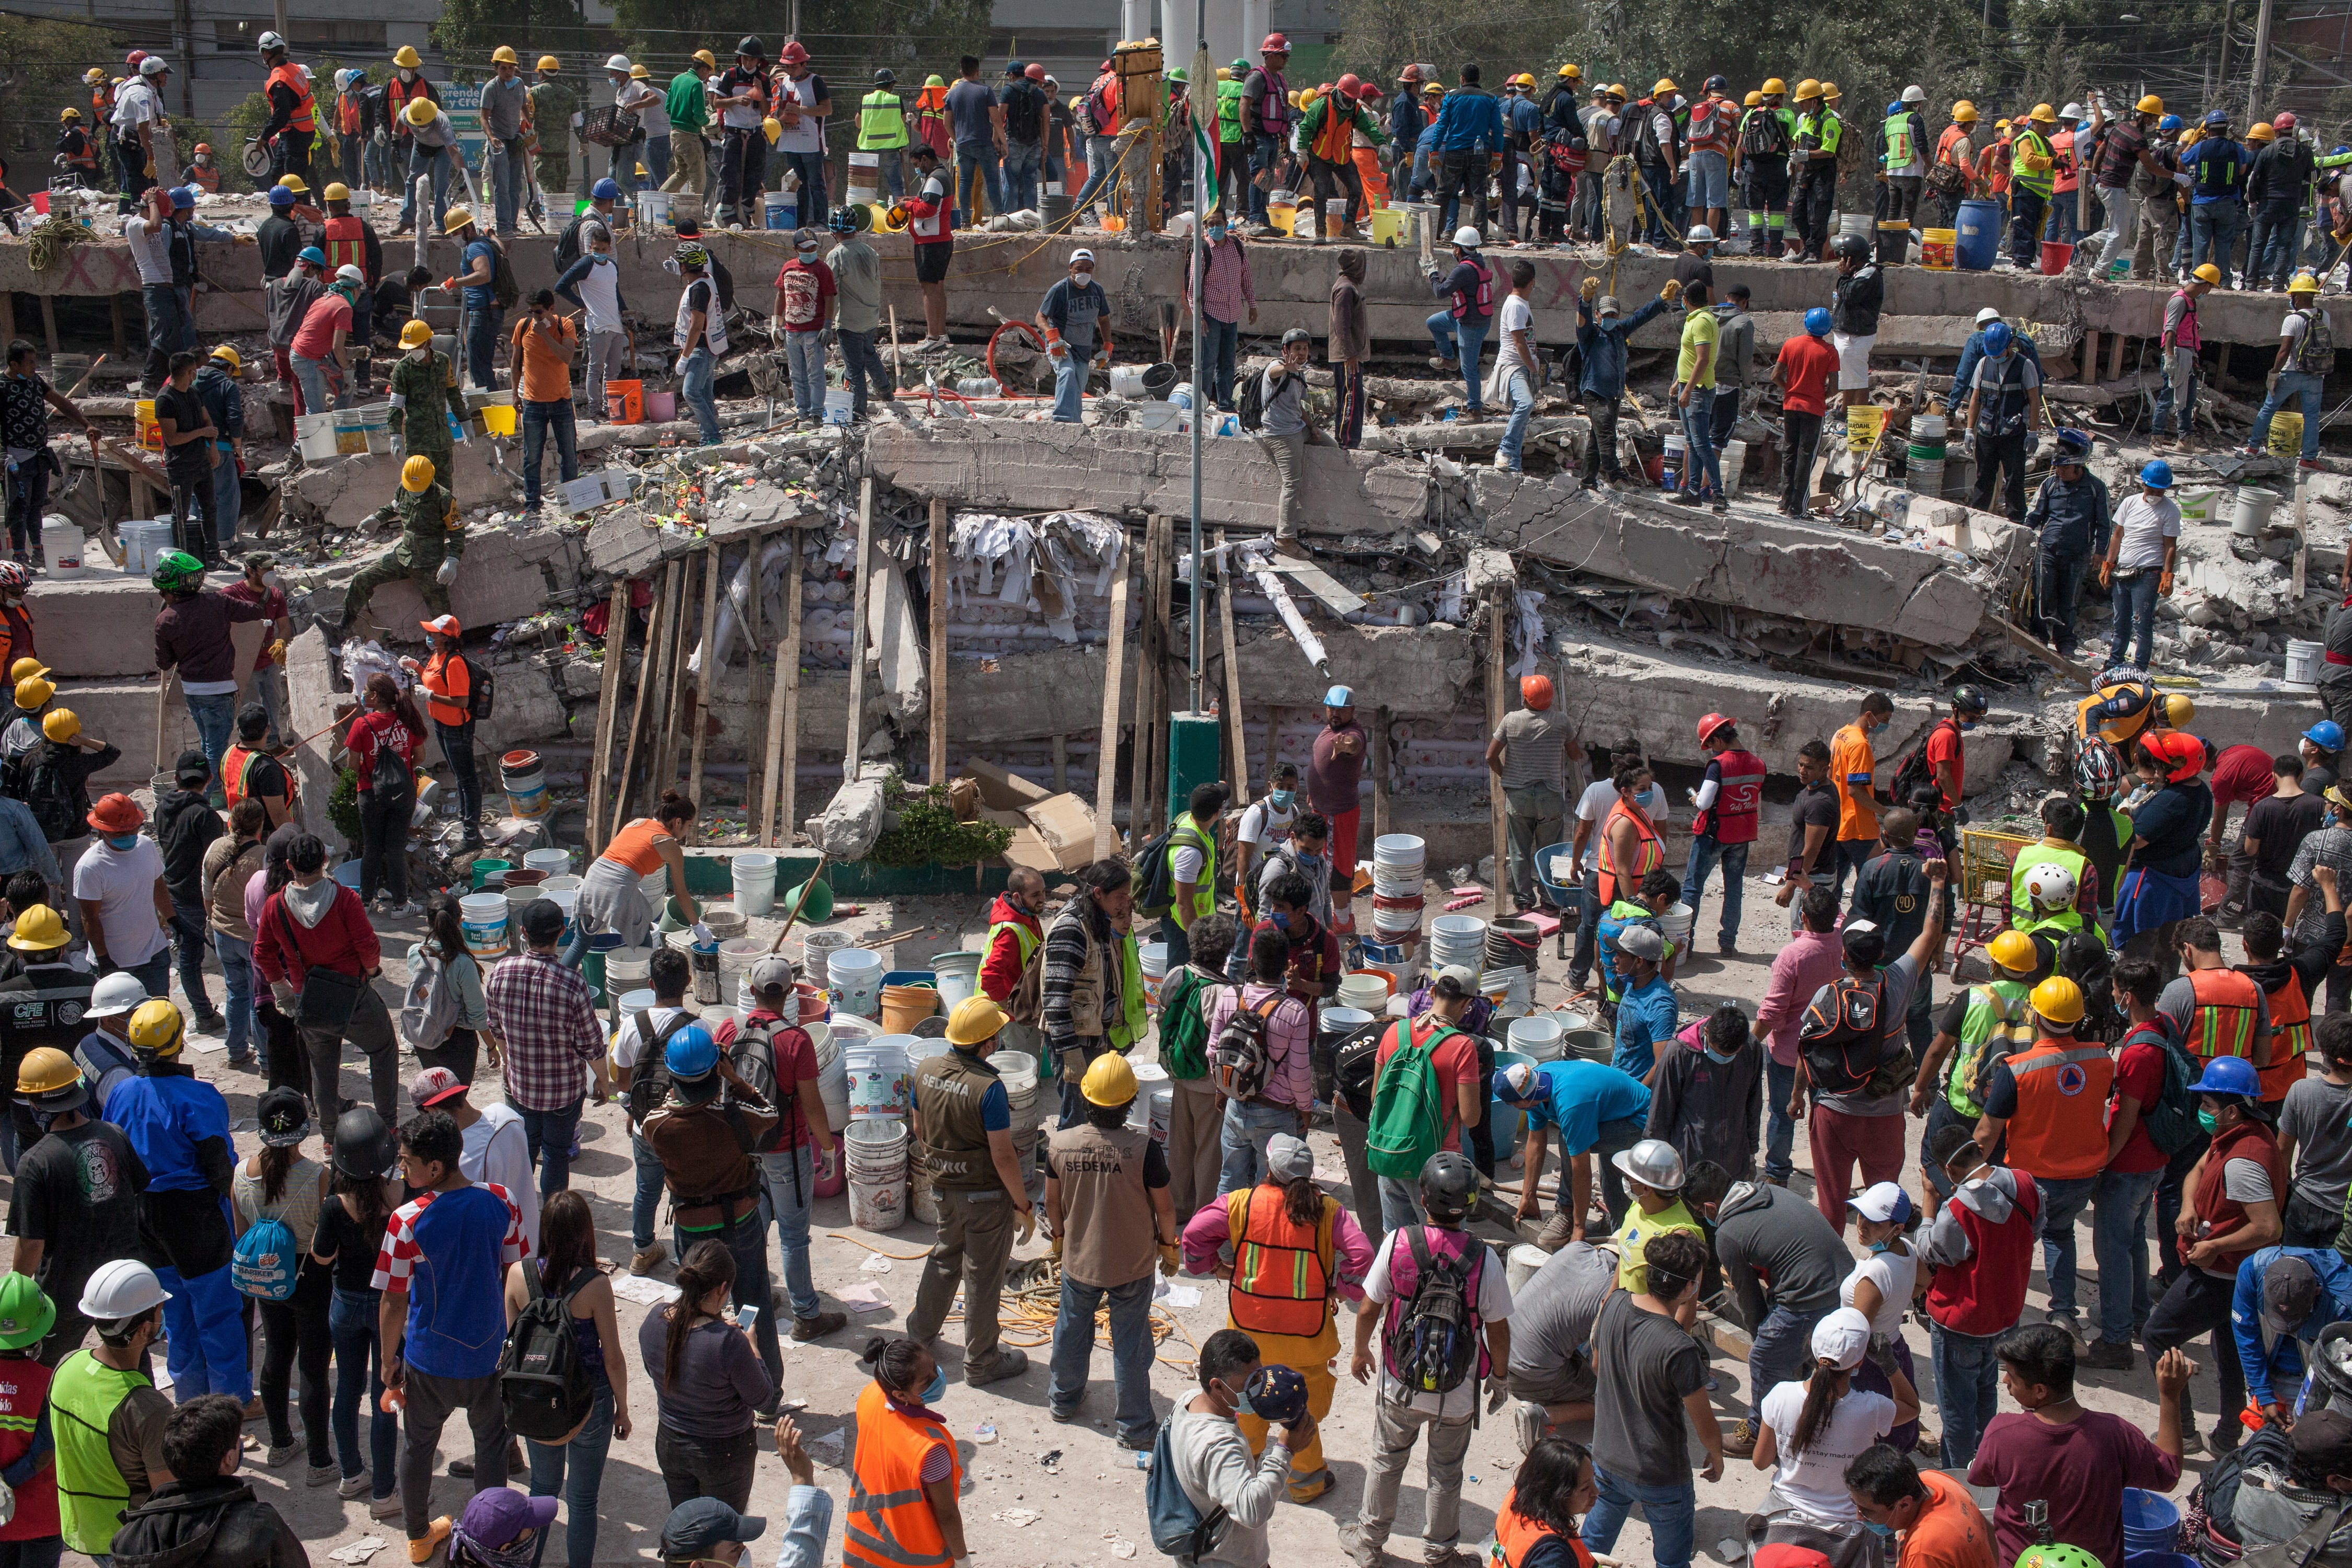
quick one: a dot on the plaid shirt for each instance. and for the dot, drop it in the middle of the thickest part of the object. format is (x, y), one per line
(544, 1013)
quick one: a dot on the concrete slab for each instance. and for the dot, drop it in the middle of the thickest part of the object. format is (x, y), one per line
(504, 576)
(341, 492)
(123, 713)
(102, 625)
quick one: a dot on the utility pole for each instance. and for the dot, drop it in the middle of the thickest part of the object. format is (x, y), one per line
(2262, 61)
(281, 18)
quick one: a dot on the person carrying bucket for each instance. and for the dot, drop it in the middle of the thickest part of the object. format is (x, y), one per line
(611, 894)
(447, 678)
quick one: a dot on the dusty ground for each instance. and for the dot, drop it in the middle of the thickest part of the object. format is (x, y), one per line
(1086, 1505)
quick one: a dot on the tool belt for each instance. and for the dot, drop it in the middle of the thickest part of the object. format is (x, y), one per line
(713, 1213)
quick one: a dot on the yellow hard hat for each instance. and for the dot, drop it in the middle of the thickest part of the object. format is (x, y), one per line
(39, 930)
(46, 1069)
(70, 113)
(23, 667)
(2043, 112)
(1293, 98)
(1306, 98)
(1753, 100)
(2000, 125)
(415, 335)
(1617, 89)
(549, 63)
(504, 55)
(2259, 131)
(1807, 88)
(229, 357)
(2151, 104)
(2208, 273)
(1829, 89)
(2178, 711)
(2303, 283)
(2058, 999)
(1109, 1081)
(417, 475)
(774, 127)
(33, 693)
(93, 76)
(1773, 84)
(1225, 73)
(638, 72)
(2014, 951)
(406, 55)
(294, 181)
(1663, 84)
(1964, 112)
(156, 1028)
(1523, 80)
(61, 725)
(338, 192)
(1572, 71)
(707, 58)
(457, 218)
(421, 111)
(974, 1020)
(1437, 89)
(1077, 98)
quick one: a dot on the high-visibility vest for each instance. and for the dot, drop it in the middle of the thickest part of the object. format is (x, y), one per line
(347, 244)
(1336, 135)
(2020, 906)
(890, 1524)
(1282, 1272)
(2290, 1040)
(449, 683)
(205, 179)
(1899, 149)
(1022, 937)
(1739, 797)
(2223, 1023)
(1999, 1008)
(2032, 145)
(881, 120)
(1187, 832)
(347, 112)
(1515, 1535)
(1128, 1029)
(396, 94)
(2058, 1132)
(1649, 854)
(91, 1491)
(237, 762)
(286, 75)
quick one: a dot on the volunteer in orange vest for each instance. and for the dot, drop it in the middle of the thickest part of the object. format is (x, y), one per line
(250, 769)
(2212, 1010)
(293, 122)
(2237, 1190)
(204, 169)
(449, 683)
(1730, 799)
(2289, 974)
(904, 1478)
(351, 242)
(1629, 846)
(2052, 1102)
(1290, 1250)
(1537, 1525)
(612, 897)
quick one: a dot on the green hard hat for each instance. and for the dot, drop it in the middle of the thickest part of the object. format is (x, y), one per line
(2056, 1554)
(1240, 66)
(1178, 75)
(177, 572)
(25, 1312)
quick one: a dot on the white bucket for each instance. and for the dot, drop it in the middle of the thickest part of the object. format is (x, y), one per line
(1676, 924)
(1538, 1036)
(637, 1001)
(626, 968)
(874, 1158)
(483, 918)
(1520, 1265)
(855, 977)
(653, 207)
(880, 1082)
(1928, 430)
(2252, 514)
(2303, 660)
(816, 948)
(1735, 458)
(62, 544)
(1399, 849)
(143, 540)
(1153, 958)
(956, 986)
(736, 959)
(1163, 1107)
(755, 883)
(553, 862)
(1126, 380)
(1856, 224)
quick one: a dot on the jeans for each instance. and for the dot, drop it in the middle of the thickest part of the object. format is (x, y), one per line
(863, 368)
(1537, 816)
(214, 719)
(624, 169)
(2026, 210)
(1671, 1512)
(2304, 387)
(164, 329)
(747, 1241)
(1462, 184)
(296, 1330)
(268, 686)
(1781, 1349)
(235, 956)
(804, 354)
(2120, 1204)
(2214, 228)
(1019, 178)
(482, 324)
(371, 1029)
(976, 175)
(505, 158)
(1704, 855)
(1779, 1131)
(1220, 340)
(575, 1470)
(1246, 1131)
(1462, 341)
(1100, 163)
(1588, 921)
(432, 161)
(2135, 602)
(2061, 1203)
(154, 974)
(707, 1466)
(1520, 388)
(310, 377)
(1400, 1203)
(695, 377)
(1702, 464)
(431, 1402)
(29, 500)
(810, 166)
(2058, 585)
(1968, 1390)
(359, 1377)
(1131, 1350)
(1070, 371)
(790, 1181)
(1264, 152)
(548, 1134)
(383, 842)
(189, 930)
(458, 748)
(1659, 210)
(647, 1205)
(658, 160)
(1614, 1138)
(1723, 418)
(1804, 436)
(2271, 257)
(228, 499)
(538, 420)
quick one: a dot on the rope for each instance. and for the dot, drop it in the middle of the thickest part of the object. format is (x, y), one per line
(46, 245)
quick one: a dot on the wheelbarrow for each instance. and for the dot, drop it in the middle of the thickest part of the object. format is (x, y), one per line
(1567, 896)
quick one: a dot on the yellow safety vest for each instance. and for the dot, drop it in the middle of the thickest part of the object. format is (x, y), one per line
(2041, 180)
(1204, 891)
(881, 122)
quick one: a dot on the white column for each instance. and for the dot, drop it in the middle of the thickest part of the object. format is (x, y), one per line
(1178, 22)
(1226, 44)
(1134, 19)
(1257, 21)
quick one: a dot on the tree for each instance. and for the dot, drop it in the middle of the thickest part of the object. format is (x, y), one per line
(41, 63)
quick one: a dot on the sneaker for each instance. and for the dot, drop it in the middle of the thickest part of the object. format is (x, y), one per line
(1443, 1556)
(1075, 1413)
(2106, 1355)
(2307, 465)
(211, 1023)
(1138, 1442)
(1720, 507)
(1441, 362)
(1557, 1232)
(816, 1327)
(1006, 1363)
(1688, 498)
(281, 1452)
(1528, 1421)
(352, 1486)
(1741, 1441)
(253, 1405)
(647, 1259)
(384, 1507)
(320, 1475)
(1362, 1550)
(2070, 1321)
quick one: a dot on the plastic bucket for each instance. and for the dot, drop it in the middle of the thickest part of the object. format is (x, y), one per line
(1863, 423)
(830, 1177)
(755, 883)
(1735, 459)
(874, 1160)
(957, 974)
(1152, 956)
(880, 1083)
(904, 1007)
(2286, 436)
(592, 966)
(1539, 1035)
(2055, 254)
(1855, 224)
(1671, 476)
(1982, 227)
(1588, 1045)
(525, 780)
(818, 908)
(855, 976)
(2151, 1521)
(1894, 242)
(625, 402)
(62, 542)
(2303, 660)
(922, 1198)
(1937, 246)
(483, 919)
(548, 862)
(628, 968)
(2251, 513)
(1676, 923)
(782, 210)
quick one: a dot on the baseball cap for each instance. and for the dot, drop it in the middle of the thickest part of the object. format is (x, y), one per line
(1461, 974)
(1841, 1339)
(1641, 941)
(542, 921)
(1081, 254)
(434, 1085)
(1276, 1394)
(772, 972)
(2290, 1290)
(1290, 1158)
(285, 1118)
(1864, 941)
(191, 764)
(499, 1514)
(1515, 1082)
(698, 1525)
(1883, 1202)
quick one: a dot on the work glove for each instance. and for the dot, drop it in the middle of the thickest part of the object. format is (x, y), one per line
(1168, 1259)
(2269, 381)
(1028, 1227)
(149, 169)
(447, 575)
(283, 995)
(1589, 289)
(1882, 1353)
(1499, 1391)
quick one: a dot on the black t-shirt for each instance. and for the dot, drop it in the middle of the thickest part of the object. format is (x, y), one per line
(1816, 806)
(2280, 826)
(76, 1192)
(24, 413)
(1692, 267)
(2317, 779)
(393, 300)
(354, 1245)
(265, 778)
(187, 412)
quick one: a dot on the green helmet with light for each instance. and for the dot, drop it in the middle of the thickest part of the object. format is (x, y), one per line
(26, 1313)
(177, 572)
(2056, 1554)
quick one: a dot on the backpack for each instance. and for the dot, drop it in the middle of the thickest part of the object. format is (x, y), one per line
(544, 1387)
(800, 295)
(2314, 351)
(1355, 1066)
(1102, 105)
(2171, 1121)
(1184, 1002)
(1022, 110)
(1433, 1346)
(59, 804)
(1763, 134)
(503, 287)
(1915, 772)
(1565, 154)
(1408, 1119)
(1178, 1528)
(389, 770)
(649, 1083)
(266, 1261)
(1027, 1003)
(1844, 1035)
(753, 1054)
(1238, 1062)
(1252, 402)
(1155, 879)
(429, 1012)
(481, 691)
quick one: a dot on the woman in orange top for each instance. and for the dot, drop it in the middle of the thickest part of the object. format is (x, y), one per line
(1629, 846)
(904, 1478)
(612, 895)
(1537, 1527)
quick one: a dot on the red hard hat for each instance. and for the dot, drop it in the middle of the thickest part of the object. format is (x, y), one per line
(1710, 725)
(135, 58)
(1370, 89)
(792, 54)
(1276, 44)
(1036, 72)
(2284, 122)
(1535, 691)
(1351, 84)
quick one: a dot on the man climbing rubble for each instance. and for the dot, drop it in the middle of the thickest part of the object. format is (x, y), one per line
(420, 387)
(432, 538)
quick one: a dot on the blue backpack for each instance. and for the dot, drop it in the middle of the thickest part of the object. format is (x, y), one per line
(266, 1261)
(1178, 1528)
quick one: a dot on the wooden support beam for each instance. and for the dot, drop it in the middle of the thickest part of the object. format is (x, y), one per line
(784, 715)
(50, 322)
(1106, 747)
(1498, 602)
(1140, 820)
(1061, 764)
(608, 703)
(672, 695)
(7, 313)
(1225, 579)
(648, 676)
(937, 773)
(1381, 719)
(122, 332)
(2115, 356)
(698, 712)
(861, 570)
(763, 679)
(2087, 366)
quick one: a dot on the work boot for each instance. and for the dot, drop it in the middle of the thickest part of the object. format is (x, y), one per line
(2104, 1355)
(816, 1327)
(1529, 1422)
(1006, 1363)
(1741, 1441)
(646, 1259)
(428, 1547)
(1362, 1549)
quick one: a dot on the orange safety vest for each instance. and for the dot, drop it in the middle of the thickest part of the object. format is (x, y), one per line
(2290, 1040)
(1515, 1535)
(347, 244)
(2223, 1023)
(448, 681)
(1650, 854)
(286, 75)
(347, 112)
(206, 179)
(235, 761)
(1337, 134)
(2058, 1132)
(1282, 1271)
(890, 1524)
(396, 94)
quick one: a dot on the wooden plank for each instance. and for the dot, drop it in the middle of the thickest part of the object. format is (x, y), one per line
(2081, 675)
(121, 334)
(648, 673)
(672, 694)
(7, 313)
(1227, 577)
(762, 680)
(784, 714)
(1334, 594)
(1381, 720)
(2115, 355)
(861, 568)
(1106, 747)
(700, 714)
(608, 703)
(938, 726)
(1140, 819)
(1498, 604)
(49, 322)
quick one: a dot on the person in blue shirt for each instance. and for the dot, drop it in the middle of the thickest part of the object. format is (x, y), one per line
(2216, 167)
(1523, 130)
(2071, 513)
(22, 845)
(1469, 132)
(1424, 161)
(1598, 1110)
(2284, 1297)
(1647, 1016)
(1460, 329)
(1600, 334)
(1074, 312)
(484, 316)
(104, 1054)
(1974, 349)
(1406, 123)
(178, 1126)
(1660, 889)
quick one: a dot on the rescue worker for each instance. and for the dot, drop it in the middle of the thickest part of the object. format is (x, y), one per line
(552, 103)
(76, 147)
(1760, 165)
(204, 170)
(2126, 707)
(178, 1126)
(2071, 516)
(1191, 869)
(2004, 407)
(447, 680)
(105, 1408)
(1980, 1025)
(882, 131)
(1329, 130)
(293, 122)
(1818, 137)
(963, 1125)
(2046, 881)
(251, 769)
(1015, 930)
(2289, 974)
(1952, 175)
(2183, 344)
(351, 241)
(2033, 177)
(2306, 353)
(410, 156)
(42, 1005)
(432, 540)
(1729, 800)
(2212, 1011)
(905, 1477)
(2159, 200)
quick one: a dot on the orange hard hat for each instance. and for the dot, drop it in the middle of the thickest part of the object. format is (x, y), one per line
(1535, 691)
(792, 54)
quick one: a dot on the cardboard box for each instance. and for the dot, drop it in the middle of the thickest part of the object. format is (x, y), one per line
(1067, 825)
(1003, 791)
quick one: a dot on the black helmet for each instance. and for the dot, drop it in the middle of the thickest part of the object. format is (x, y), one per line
(1449, 1185)
(1852, 244)
(884, 76)
(1717, 84)
(364, 1146)
(1969, 700)
(852, 217)
(751, 46)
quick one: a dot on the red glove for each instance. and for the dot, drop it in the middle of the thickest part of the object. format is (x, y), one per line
(448, 283)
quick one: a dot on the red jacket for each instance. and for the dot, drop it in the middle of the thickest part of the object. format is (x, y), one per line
(1000, 971)
(343, 940)
(1984, 1295)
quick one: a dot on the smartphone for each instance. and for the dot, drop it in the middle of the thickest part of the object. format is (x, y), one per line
(747, 1318)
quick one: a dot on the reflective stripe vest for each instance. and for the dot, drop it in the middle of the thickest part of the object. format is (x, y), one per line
(2040, 177)
(1998, 1008)
(1515, 1535)
(2290, 1040)
(1282, 1272)
(347, 244)
(206, 179)
(287, 74)
(1188, 833)
(890, 1524)
(2021, 905)
(1900, 149)
(1024, 939)
(91, 1493)
(2058, 1132)
(235, 763)
(2223, 1023)
(1953, 135)
(1738, 796)
(1335, 134)
(1229, 111)
(348, 112)
(881, 120)
(396, 94)
(23, 1389)
(1135, 1011)
(1650, 853)
(1819, 132)
(449, 683)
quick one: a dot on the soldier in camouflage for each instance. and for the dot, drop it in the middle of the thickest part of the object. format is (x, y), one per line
(552, 107)
(423, 391)
(432, 539)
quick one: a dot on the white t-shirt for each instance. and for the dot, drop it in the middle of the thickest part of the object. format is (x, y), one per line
(1493, 1306)
(496, 1150)
(122, 882)
(1897, 1276)
(2144, 526)
(134, 105)
(808, 136)
(1593, 806)
(1265, 824)
(1815, 1480)
(629, 1045)
(1517, 316)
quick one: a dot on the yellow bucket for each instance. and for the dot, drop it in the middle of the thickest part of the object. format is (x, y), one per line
(497, 418)
(151, 431)
(1391, 226)
(2286, 435)
(1281, 214)
(1936, 249)
(1863, 423)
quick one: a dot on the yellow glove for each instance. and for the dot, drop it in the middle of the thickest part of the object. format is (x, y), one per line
(277, 651)
(1168, 1259)
(1053, 1249)
(1671, 293)
(1028, 1226)
(1589, 289)
(149, 169)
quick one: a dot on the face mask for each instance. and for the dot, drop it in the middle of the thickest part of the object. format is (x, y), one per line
(1884, 1531)
(1878, 1246)
(1968, 724)
(121, 840)
(2209, 1121)
(808, 254)
(1241, 1406)
(1307, 859)
(669, 265)
(1214, 236)
(1720, 1058)
(1281, 919)
(936, 1387)
(1283, 798)
(41, 1119)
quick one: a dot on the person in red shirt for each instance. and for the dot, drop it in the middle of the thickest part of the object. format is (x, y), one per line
(266, 686)
(312, 924)
(929, 214)
(2241, 775)
(1803, 373)
(1462, 1086)
(805, 295)
(2127, 1186)
(382, 743)
(1980, 1252)
(1946, 753)
(1335, 771)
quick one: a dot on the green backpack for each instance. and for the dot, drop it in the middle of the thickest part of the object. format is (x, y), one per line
(1408, 1120)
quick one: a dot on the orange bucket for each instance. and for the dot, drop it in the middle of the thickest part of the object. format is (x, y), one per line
(625, 402)
(904, 1007)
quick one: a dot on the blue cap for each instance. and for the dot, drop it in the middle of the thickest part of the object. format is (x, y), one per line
(310, 252)
(1339, 697)
(1997, 337)
(1817, 321)
(184, 195)
(605, 191)
(691, 1052)
(2229, 1075)
(2327, 735)
(1276, 1394)
(2157, 474)
(279, 196)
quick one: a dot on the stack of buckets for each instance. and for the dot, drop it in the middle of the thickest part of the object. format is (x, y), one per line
(1925, 463)
(1155, 1100)
(854, 977)
(879, 1087)
(1153, 958)
(1670, 478)
(1457, 940)
(1397, 862)
(958, 977)
(525, 778)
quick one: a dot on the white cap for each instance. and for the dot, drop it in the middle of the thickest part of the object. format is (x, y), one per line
(1842, 1338)
(1988, 316)
(1882, 1202)
(1699, 235)
(1081, 254)
(1461, 975)
(1915, 93)
(1468, 239)
(118, 994)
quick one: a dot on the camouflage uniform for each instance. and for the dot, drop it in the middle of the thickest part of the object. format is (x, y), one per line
(423, 394)
(430, 531)
(552, 107)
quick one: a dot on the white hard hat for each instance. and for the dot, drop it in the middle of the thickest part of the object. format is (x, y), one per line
(1915, 93)
(2050, 885)
(1700, 235)
(1653, 1163)
(347, 273)
(122, 1288)
(268, 41)
(118, 994)
(1468, 239)
(2071, 111)
(154, 65)
(1988, 316)
(617, 63)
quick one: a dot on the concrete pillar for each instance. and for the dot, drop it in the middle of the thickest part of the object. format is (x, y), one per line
(1257, 21)
(1134, 19)
(1227, 28)
(1179, 24)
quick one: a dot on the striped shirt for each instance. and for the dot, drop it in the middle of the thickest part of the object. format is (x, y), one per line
(1534, 749)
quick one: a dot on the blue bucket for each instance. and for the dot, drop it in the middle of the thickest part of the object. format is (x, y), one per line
(2151, 1522)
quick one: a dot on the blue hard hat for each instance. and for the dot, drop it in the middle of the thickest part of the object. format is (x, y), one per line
(1817, 321)
(310, 252)
(2219, 117)
(1997, 338)
(279, 196)
(184, 195)
(1895, 107)
(2073, 444)
(2168, 124)
(605, 191)
(2327, 735)
(2229, 1075)
(2340, 151)
(1339, 697)
(2156, 475)
(691, 1052)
